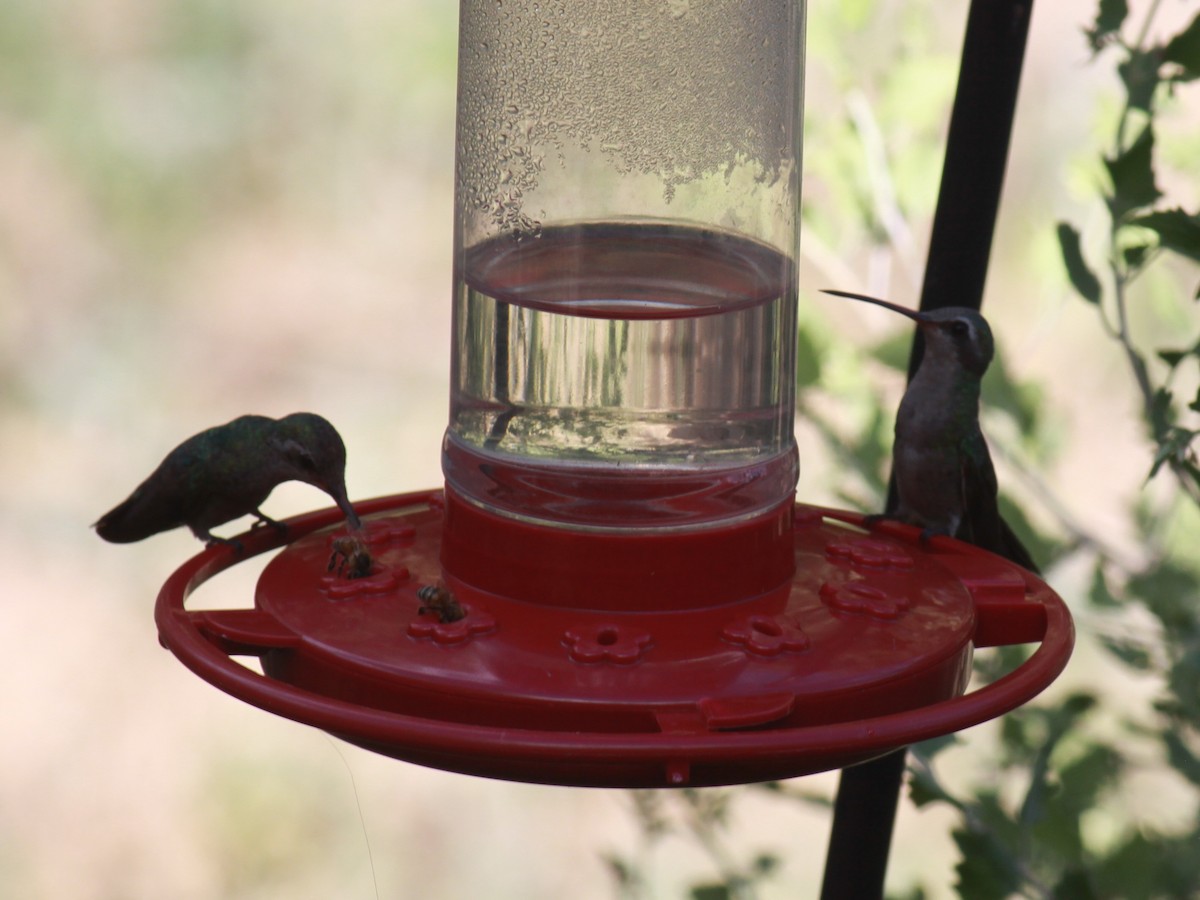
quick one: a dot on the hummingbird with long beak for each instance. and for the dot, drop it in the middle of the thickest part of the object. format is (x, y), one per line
(945, 481)
(228, 472)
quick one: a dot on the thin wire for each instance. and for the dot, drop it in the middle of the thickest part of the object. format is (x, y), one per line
(361, 819)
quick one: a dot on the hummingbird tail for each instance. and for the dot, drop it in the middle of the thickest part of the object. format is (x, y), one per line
(133, 520)
(1014, 551)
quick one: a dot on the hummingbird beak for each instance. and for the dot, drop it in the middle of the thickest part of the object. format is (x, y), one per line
(338, 493)
(917, 317)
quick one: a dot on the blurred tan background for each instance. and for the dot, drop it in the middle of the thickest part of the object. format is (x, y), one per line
(210, 208)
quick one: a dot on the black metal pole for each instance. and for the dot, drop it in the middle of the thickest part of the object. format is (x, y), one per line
(863, 817)
(976, 154)
(968, 200)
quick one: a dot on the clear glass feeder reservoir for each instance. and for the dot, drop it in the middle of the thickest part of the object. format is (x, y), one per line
(624, 287)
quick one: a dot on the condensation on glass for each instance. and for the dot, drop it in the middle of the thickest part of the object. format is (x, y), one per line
(625, 241)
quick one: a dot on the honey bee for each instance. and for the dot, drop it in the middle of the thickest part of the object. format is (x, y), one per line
(436, 599)
(350, 557)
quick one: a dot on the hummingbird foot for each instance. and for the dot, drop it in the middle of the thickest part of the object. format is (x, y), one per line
(928, 534)
(211, 540)
(281, 527)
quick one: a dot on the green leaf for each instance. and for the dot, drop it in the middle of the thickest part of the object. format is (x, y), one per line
(894, 351)
(1109, 19)
(999, 661)
(924, 788)
(1183, 702)
(808, 360)
(1175, 447)
(1172, 357)
(1056, 836)
(765, 863)
(1133, 654)
(1135, 256)
(1161, 416)
(987, 871)
(932, 747)
(1099, 594)
(1184, 51)
(1182, 758)
(1076, 705)
(1190, 467)
(1150, 865)
(1177, 230)
(624, 872)
(1040, 791)
(1139, 74)
(1082, 277)
(872, 451)
(1169, 591)
(1075, 885)
(1022, 733)
(1132, 174)
(1023, 402)
(995, 821)
(710, 892)
(1086, 778)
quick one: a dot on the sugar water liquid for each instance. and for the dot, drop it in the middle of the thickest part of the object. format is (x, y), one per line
(623, 375)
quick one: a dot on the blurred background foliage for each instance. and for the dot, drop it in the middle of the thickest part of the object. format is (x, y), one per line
(209, 208)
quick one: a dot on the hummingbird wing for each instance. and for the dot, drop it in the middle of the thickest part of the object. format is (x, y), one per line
(982, 524)
(211, 478)
(167, 499)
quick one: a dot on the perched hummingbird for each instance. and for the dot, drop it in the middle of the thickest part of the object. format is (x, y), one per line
(945, 482)
(227, 472)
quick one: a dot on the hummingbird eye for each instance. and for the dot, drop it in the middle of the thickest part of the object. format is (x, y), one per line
(959, 328)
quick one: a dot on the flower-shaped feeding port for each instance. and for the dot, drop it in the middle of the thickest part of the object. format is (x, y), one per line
(381, 580)
(869, 553)
(766, 635)
(473, 623)
(863, 599)
(606, 643)
(354, 569)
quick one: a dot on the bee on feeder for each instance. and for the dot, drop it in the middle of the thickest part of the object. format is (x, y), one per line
(437, 599)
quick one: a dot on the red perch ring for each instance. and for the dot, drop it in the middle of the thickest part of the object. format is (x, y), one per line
(866, 648)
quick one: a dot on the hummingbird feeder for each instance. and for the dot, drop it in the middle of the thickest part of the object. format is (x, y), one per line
(616, 586)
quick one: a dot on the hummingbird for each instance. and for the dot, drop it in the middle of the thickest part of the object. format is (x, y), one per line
(227, 472)
(945, 481)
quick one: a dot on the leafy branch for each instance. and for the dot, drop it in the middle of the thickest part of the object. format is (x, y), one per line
(1139, 232)
(1036, 847)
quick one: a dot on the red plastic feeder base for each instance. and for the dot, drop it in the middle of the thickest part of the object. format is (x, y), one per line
(866, 648)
